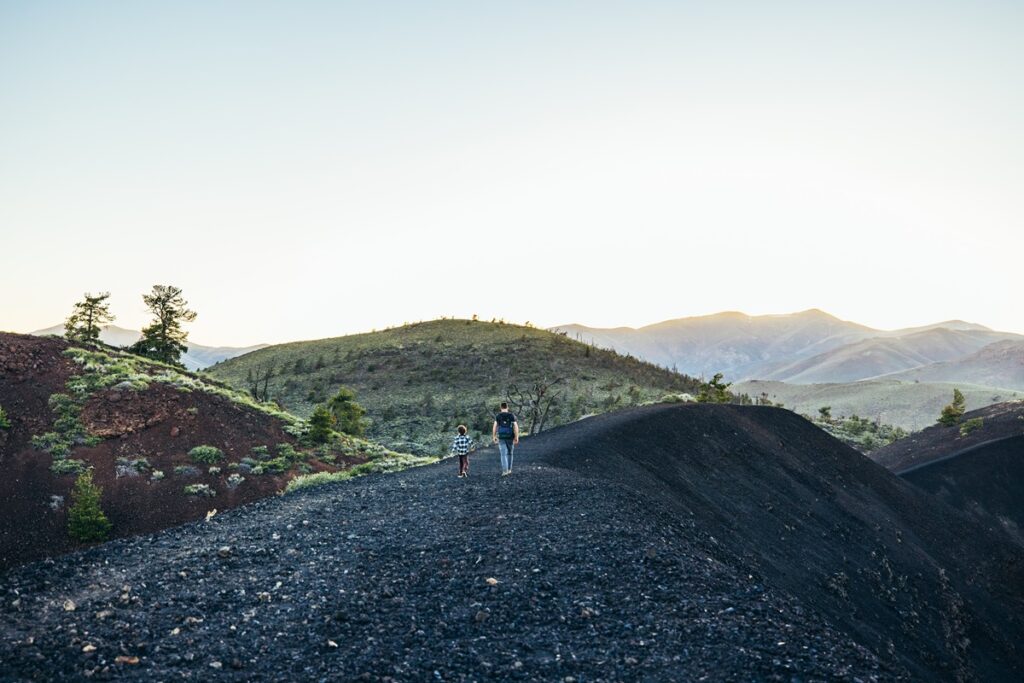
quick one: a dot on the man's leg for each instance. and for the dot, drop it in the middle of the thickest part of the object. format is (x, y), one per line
(503, 447)
(511, 452)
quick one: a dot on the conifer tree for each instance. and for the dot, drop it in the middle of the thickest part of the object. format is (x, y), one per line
(715, 391)
(86, 521)
(164, 339)
(88, 318)
(321, 423)
(952, 413)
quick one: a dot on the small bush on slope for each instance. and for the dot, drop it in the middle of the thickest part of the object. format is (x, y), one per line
(86, 521)
(200, 490)
(206, 454)
(971, 425)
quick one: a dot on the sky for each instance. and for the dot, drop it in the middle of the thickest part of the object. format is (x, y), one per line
(307, 169)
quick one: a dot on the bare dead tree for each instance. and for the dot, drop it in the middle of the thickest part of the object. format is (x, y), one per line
(259, 382)
(534, 402)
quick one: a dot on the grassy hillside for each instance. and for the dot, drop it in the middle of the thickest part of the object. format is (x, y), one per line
(912, 406)
(418, 382)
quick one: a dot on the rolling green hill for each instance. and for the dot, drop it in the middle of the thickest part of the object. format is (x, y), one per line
(418, 382)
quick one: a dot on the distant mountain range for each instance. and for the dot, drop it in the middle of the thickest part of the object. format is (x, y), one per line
(198, 356)
(814, 347)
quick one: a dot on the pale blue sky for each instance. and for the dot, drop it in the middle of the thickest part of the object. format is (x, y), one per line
(307, 169)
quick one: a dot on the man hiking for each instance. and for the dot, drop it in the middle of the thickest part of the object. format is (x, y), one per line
(505, 433)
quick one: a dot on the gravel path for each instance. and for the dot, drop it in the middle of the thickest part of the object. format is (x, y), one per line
(544, 575)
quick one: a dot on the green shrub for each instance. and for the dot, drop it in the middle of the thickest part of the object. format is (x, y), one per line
(47, 442)
(186, 470)
(347, 412)
(206, 454)
(971, 425)
(61, 467)
(86, 521)
(261, 452)
(234, 480)
(5, 422)
(275, 466)
(200, 490)
(214, 470)
(157, 475)
(288, 452)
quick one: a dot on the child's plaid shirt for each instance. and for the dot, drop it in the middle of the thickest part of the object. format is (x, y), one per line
(461, 445)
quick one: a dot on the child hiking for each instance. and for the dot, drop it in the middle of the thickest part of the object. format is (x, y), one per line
(460, 447)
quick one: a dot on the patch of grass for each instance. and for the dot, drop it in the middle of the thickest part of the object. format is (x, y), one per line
(107, 367)
(5, 422)
(393, 462)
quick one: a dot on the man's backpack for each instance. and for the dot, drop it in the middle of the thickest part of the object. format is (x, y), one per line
(505, 421)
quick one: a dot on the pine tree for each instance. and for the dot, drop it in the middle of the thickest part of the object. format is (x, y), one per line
(952, 413)
(715, 391)
(87, 318)
(321, 423)
(86, 521)
(164, 339)
(348, 413)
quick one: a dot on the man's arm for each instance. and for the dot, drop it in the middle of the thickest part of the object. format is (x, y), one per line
(515, 429)
(494, 432)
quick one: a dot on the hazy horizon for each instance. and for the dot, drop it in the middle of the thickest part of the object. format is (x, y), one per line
(207, 342)
(311, 169)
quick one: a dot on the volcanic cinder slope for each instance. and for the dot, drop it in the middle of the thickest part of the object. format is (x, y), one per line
(672, 542)
(128, 420)
(982, 471)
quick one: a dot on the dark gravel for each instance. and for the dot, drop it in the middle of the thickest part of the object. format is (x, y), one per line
(387, 576)
(573, 569)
